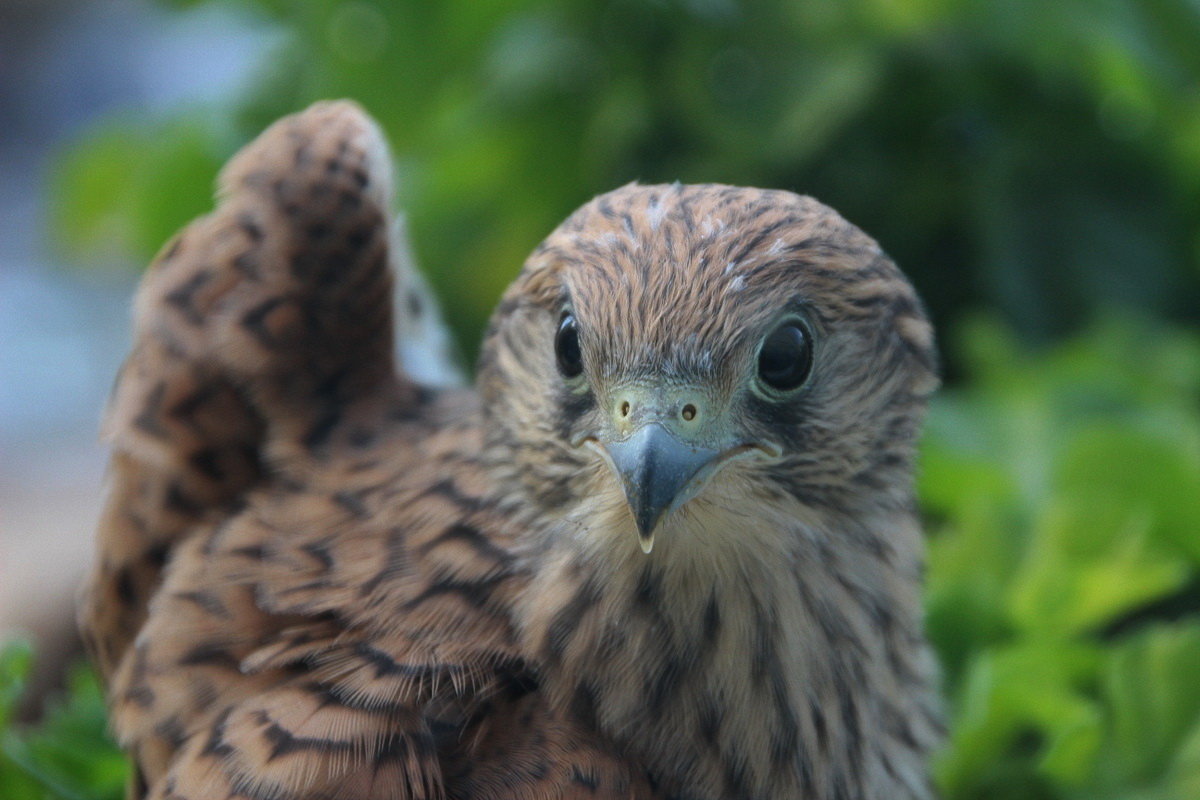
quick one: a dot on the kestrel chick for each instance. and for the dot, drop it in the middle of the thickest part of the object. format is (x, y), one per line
(667, 549)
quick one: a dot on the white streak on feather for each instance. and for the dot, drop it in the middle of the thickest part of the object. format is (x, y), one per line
(711, 226)
(655, 212)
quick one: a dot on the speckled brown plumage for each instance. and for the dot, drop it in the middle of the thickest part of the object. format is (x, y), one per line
(317, 578)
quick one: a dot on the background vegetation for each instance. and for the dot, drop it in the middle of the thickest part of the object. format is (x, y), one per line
(1034, 167)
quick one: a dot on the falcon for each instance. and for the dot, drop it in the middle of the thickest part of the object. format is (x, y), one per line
(666, 548)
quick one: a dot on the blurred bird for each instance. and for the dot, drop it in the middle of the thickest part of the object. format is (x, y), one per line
(667, 549)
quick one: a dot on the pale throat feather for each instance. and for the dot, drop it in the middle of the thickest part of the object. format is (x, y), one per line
(739, 653)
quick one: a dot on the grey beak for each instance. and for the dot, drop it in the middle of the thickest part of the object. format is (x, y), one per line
(655, 469)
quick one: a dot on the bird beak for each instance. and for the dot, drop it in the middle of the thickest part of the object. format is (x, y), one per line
(659, 473)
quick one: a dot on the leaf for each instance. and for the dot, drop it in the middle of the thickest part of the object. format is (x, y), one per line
(1088, 562)
(1033, 688)
(126, 188)
(67, 755)
(1120, 468)
(1151, 687)
(16, 660)
(970, 567)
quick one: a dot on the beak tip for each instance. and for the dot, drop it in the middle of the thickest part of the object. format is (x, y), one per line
(656, 470)
(647, 524)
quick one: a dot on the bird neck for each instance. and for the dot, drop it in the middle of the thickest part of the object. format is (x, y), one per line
(744, 659)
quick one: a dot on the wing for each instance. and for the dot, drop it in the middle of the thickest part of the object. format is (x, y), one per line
(256, 325)
(303, 587)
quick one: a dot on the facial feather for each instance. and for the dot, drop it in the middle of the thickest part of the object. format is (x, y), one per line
(778, 620)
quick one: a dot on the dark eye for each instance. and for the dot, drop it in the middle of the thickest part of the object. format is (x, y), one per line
(566, 348)
(785, 358)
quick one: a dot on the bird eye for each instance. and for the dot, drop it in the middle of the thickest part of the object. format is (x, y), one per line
(786, 356)
(566, 348)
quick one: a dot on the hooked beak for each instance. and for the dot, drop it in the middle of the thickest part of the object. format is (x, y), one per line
(660, 473)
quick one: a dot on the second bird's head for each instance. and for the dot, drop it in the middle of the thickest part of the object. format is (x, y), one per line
(699, 362)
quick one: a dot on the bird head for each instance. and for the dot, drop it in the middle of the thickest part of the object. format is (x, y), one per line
(670, 347)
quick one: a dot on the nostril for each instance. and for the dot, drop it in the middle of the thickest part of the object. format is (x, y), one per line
(688, 412)
(625, 408)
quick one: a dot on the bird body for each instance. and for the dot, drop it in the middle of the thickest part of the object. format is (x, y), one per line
(667, 549)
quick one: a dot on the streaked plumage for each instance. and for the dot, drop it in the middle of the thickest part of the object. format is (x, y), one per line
(317, 578)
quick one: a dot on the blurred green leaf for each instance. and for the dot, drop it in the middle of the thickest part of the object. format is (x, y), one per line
(1088, 563)
(67, 755)
(1129, 472)
(1149, 685)
(1030, 689)
(16, 659)
(128, 188)
(971, 563)
(1063, 490)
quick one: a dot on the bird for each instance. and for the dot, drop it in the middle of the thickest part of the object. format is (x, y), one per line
(666, 546)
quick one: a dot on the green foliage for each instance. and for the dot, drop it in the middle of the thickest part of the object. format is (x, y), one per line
(1063, 493)
(119, 192)
(68, 755)
(1039, 158)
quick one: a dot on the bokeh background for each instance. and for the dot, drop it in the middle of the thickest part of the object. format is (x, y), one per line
(1033, 166)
